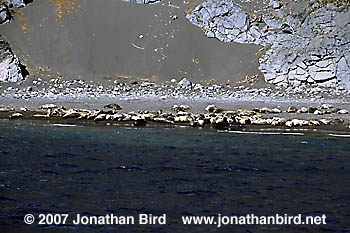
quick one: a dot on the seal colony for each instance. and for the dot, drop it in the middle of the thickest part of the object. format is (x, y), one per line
(143, 103)
(212, 117)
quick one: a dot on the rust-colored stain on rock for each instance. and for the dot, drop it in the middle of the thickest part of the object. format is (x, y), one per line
(64, 7)
(21, 20)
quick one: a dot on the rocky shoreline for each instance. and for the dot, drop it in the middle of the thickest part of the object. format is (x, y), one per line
(294, 97)
(146, 103)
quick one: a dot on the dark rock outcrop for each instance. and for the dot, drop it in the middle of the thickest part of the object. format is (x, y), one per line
(18, 3)
(5, 15)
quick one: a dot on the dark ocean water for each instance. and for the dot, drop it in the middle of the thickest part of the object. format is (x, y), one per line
(176, 171)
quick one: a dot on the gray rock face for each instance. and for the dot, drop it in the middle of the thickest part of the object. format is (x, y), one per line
(314, 49)
(221, 19)
(5, 16)
(312, 53)
(10, 70)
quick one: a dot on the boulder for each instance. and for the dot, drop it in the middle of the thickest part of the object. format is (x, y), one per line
(275, 4)
(5, 16)
(185, 83)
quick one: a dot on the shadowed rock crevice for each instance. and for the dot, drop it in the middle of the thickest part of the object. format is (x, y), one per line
(24, 70)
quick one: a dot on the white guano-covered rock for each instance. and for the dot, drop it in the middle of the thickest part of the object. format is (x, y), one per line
(10, 69)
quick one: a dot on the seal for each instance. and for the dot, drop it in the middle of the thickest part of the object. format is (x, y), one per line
(114, 106)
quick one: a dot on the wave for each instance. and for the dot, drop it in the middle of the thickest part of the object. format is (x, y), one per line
(262, 133)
